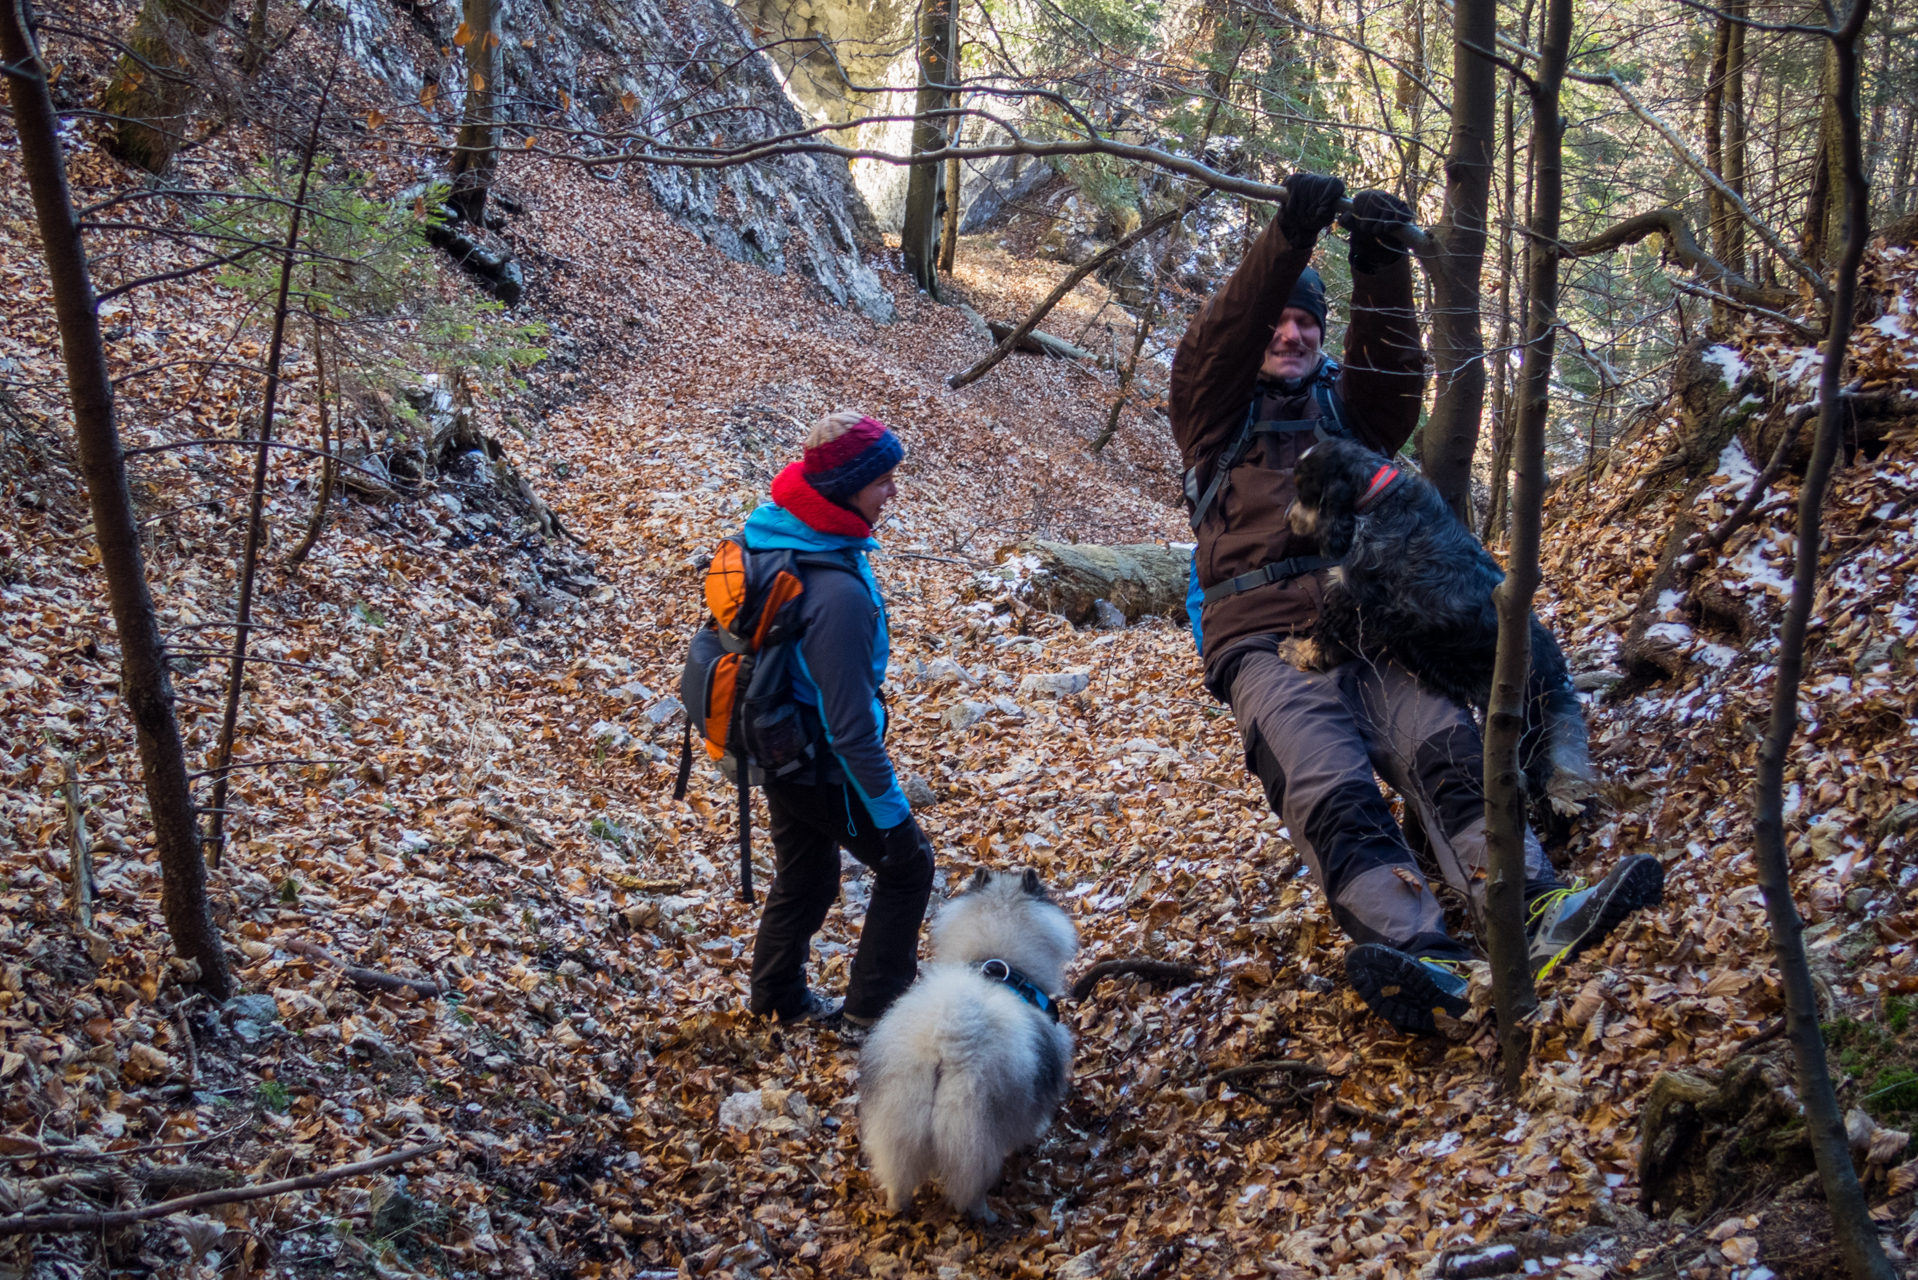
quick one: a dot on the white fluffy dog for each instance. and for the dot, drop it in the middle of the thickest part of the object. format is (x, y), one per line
(969, 1065)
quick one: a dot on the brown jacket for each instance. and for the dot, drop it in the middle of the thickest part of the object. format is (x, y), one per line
(1215, 374)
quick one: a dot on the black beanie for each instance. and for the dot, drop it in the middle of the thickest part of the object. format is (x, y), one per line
(1309, 295)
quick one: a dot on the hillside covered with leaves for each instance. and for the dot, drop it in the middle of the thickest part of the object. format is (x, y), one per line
(465, 915)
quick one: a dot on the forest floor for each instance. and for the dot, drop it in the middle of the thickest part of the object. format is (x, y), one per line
(492, 813)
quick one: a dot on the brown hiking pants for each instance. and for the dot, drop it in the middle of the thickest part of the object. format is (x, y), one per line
(1316, 738)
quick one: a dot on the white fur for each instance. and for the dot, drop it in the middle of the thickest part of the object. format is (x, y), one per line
(961, 1071)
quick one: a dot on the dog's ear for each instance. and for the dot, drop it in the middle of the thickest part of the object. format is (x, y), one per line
(1034, 888)
(1336, 534)
(980, 879)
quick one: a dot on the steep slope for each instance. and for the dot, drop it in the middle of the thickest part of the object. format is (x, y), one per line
(473, 792)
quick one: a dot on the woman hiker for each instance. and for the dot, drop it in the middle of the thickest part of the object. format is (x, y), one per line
(849, 797)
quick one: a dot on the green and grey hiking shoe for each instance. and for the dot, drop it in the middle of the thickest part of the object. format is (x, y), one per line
(1565, 922)
(1405, 989)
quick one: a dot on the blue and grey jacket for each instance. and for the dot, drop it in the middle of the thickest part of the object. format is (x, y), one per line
(841, 660)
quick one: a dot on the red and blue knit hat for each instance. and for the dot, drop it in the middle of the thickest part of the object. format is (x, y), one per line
(844, 454)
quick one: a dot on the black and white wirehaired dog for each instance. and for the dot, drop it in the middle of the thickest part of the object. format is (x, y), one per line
(1414, 585)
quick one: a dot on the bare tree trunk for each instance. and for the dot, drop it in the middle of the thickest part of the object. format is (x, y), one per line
(329, 468)
(1449, 442)
(1851, 1222)
(1880, 100)
(256, 500)
(1901, 171)
(1720, 210)
(1731, 251)
(1502, 386)
(925, 185)
(143, 668)
(1513, 994)
(1824, 227)
(153, 91)
(476, 150)
(949, 239)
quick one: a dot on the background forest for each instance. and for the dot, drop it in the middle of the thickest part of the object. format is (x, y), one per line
(375, 376)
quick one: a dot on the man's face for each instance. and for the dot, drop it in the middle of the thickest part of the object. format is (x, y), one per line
(1294, 349)
(870, 500)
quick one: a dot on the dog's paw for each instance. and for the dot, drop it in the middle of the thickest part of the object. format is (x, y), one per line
(1306, 655)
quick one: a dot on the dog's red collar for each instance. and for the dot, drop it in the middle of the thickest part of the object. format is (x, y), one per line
(1381, 481)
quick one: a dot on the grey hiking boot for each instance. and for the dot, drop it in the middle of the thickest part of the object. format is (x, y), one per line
(815, 1011)
(1565, 922)
(1404, 989)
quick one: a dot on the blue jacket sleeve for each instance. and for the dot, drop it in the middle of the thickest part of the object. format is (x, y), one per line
(842, 626)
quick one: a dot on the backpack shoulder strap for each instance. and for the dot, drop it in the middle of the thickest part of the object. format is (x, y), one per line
(844, 561)
(1227, 459)
(1333, 419)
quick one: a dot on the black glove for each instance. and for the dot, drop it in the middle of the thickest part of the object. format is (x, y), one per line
(904, 844)
(1311, 205)
(1373, 222)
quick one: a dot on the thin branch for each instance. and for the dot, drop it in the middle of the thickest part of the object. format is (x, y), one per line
(1071, 282)
(55, 1223)
(362, 977)
(1703, 170)
(1684, 246)
(1152, 970)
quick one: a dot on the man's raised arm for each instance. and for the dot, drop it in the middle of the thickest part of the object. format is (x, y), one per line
(1383, 378)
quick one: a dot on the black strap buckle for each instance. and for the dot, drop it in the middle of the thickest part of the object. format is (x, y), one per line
(1277, 571)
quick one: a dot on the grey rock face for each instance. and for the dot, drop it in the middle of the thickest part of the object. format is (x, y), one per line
(571, 61)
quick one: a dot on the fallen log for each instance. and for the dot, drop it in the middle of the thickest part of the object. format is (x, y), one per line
(1268, 1066)
(1036, 342)
(54, 1223)
(1136, 579)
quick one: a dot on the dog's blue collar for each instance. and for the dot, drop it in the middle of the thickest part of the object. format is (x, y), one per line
(1023, 987)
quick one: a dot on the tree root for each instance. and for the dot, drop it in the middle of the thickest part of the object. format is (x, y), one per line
(34, 1223)
(375, 979)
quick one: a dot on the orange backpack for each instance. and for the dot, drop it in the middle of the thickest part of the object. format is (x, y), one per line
(737, 683)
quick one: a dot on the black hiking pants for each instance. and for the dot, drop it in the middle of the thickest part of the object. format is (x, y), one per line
(810, 825)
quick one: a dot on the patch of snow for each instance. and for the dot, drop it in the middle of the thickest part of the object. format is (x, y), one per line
(1805, 361)
(1731, 366)
(1751, 565)
(1676, 632)
(1716, 655)
(1736, 466)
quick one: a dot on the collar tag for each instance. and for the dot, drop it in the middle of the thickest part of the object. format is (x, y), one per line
(1381, 481)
